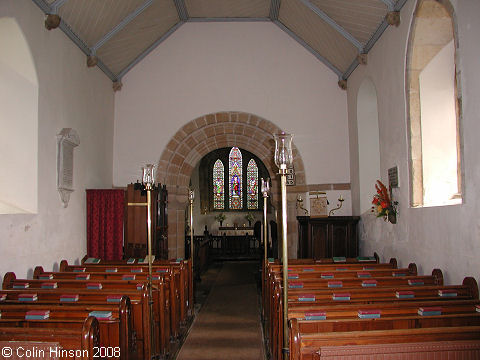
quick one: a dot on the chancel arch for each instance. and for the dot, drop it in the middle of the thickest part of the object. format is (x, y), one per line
(205, 134)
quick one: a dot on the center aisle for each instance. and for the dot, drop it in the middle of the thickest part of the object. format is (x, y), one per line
(228, 324)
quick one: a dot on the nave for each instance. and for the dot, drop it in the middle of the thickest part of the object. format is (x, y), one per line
(228, 323)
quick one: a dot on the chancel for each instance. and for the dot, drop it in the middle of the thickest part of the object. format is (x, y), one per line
(356, 235)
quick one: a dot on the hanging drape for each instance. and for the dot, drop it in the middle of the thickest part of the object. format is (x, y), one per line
(105, 213)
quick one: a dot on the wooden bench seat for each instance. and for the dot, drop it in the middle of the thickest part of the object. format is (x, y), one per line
(79, 341)
(140, 315)
(115, 332)
(169, 304)
(308, 346)
(173, 275)
(109, 288)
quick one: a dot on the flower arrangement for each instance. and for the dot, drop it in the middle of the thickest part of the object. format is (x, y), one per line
(383, 206)
(249, 218)
(220, 217)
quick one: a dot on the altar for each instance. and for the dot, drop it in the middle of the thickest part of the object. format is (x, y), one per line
(235, 230)
(235, 242)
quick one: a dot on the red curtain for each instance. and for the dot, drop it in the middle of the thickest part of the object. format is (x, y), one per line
(105, 212)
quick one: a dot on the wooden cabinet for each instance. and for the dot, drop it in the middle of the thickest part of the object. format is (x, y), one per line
(136, 240)
(327, 237)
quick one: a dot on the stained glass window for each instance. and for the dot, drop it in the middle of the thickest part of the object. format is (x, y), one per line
(218, 186)
(235, 179)
(252, 179)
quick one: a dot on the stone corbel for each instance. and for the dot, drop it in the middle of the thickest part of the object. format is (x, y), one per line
(393, 18)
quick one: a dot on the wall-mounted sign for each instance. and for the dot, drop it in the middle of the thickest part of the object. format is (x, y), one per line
(67, 139)
(290, 176)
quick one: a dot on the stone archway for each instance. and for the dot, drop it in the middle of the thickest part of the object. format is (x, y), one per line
(203, 135)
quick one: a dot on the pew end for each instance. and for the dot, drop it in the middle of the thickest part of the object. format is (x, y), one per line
(90, 334)
(412, 269)
(8, 280)
(63, 265)
(472, 285)
(438, 275)
(394, 263)
(37, 272)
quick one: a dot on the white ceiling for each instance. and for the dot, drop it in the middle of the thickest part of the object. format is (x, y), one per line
(120, 33)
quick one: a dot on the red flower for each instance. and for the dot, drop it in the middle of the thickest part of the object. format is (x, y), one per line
(384, 204)
(375, 201)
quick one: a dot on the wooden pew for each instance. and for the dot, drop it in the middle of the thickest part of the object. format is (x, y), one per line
(184, 267)
(140, 315)
(309, 346)
(173, 276)
(115, 332)
(77, 341)
(114, 286)
(168, 299)
(458, 313)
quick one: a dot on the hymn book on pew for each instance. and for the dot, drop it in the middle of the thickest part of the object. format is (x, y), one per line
(49, 285)
(3, 297)
(92, 260)
(37, 315)
(317, 315)
(101, 315)
(430, 311)
(369, 283)
(27, 297)
(69, 297)
(369, 314)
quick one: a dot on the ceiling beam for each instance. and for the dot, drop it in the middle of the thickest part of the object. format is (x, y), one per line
(390, 4)
(74, 37)
(56, 4)
(181, 9)
(371, 42)
(125, 21)
(149, 49)
(274, 9)
(333, 24)
(227, 19)
(309, 48)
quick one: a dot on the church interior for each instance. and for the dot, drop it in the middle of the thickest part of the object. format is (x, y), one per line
(263, 152)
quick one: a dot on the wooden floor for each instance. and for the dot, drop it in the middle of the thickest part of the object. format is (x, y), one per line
(228, 324)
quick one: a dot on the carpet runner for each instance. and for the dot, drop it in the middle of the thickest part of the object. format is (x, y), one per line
(228, 325)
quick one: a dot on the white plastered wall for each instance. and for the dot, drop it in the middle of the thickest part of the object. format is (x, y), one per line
(70, 95)
(251, 67)
(436, 237)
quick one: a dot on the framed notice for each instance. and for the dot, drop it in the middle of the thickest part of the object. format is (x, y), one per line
(318, 205)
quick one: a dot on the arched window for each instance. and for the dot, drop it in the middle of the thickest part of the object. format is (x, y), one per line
(235, 179)
(228, 180)
(218, 185)
(252, 179)
(434, 111)
(18, 122)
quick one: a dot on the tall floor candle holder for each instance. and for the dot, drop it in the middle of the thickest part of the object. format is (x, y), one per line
(148, 180)
(283, 159)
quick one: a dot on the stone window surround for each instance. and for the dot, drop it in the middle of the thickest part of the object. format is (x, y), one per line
(418, 56)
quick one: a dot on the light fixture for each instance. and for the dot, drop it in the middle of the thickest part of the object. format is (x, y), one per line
(284, 159)
(191, 198)
(265, 188)
(148, 178)
(283, 150)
